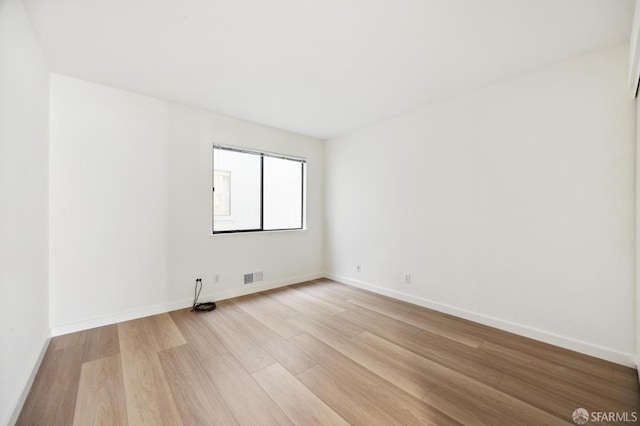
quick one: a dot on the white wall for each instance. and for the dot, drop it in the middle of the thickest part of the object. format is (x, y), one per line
(131, 207)
(109, 201)
(634, 73)
(637, 246)
(24, 288)
(511, 205)
(634, 50)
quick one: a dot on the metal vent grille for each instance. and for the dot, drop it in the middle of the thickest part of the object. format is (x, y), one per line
(253, 277)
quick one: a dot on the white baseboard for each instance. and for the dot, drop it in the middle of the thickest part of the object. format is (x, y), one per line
(622, 358)
(177, 304)
(27, 387)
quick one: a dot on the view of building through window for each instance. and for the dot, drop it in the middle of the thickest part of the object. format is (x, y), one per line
(222, 193)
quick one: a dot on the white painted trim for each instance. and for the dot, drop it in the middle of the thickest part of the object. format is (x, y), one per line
(27, 387)
(177, 304)
(597, 351)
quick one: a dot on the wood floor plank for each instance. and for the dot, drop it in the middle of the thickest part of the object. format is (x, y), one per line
(78, 338)
(478, 404)
(149, 398)
(570, 359)
(446, 350)
(453, 355)
(347, 292)
(53, 394)
(332, 389)
(243, 348)
(336, 323)
(562, 406)
(271, 313)
(378, 324)
(198, 334)
(100, 399)
(247, 400)
(420, 321)
(392, 369)
(419, 365)
(299, 302)
(504, 355)
(491, 406)
(95, 343)
(101, 342)
(627, 378)
(339, 290)
(318, 304)
(164, 332)
(267, 305)
(437, 325)
(301, 405)
(384, 302)
(323, 292)
(363, 318)
(591, 396)
(197, 399)
(406, 372)
(290, 357)
(465, 399)
(359, 395)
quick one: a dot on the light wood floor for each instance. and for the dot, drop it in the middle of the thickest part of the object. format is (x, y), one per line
(317, 353)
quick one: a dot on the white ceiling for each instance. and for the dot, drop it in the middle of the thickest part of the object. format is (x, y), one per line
(317, 67)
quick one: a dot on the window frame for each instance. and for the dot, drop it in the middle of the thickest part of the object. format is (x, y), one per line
(262, 155)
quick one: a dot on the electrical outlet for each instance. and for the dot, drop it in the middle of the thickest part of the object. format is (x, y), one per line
(407, 279)
(358, 268)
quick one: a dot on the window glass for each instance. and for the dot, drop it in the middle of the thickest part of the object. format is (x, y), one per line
(237, 196)
(282, 194)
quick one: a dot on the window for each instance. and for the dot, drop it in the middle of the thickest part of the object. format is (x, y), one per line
(256, 191)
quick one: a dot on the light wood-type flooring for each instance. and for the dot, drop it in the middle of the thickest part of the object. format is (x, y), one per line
(317, 353)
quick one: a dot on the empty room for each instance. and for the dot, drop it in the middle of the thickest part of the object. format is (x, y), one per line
(298, 212)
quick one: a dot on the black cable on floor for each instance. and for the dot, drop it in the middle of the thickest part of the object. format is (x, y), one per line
(201, 307)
